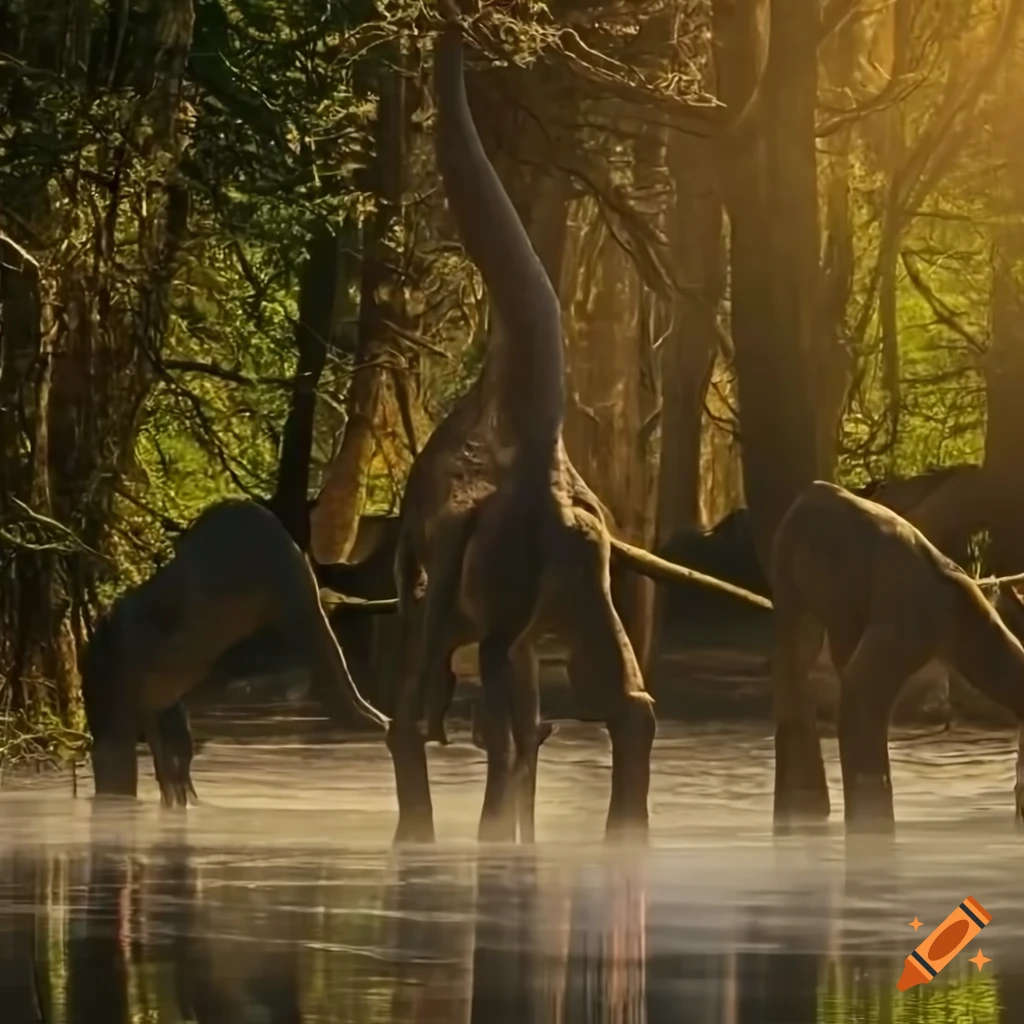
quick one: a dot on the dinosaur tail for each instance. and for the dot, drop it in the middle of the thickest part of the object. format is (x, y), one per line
(531, 379)
(655, 568)
(331, 681)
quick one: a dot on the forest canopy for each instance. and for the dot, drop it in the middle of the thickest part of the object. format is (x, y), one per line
(787, 239)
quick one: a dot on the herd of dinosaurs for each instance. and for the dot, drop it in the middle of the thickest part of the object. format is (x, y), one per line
(499, 540)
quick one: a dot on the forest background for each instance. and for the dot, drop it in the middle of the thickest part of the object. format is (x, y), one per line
(787, 236)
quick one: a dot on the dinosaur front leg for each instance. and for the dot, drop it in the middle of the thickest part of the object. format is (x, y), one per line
(870, 683)
(498, 817)
(406, 742)
(115, 768)
(801, 790)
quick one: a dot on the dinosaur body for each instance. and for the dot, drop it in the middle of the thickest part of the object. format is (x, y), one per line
(500, 540)
(499, 537)
(235, 573)
(888, 601)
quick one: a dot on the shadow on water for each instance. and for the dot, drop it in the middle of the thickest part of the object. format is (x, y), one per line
(128, 915)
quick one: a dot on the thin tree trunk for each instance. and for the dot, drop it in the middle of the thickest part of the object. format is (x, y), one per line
(321, 295)
(1004, 385)
(688, 349)
(335, 516)
(769, 173)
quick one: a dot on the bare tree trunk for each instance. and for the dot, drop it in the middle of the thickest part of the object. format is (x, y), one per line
(321, 298)
(335, 516)
(769, 173)
(611, 378)
(1004, 386)
(688, 349)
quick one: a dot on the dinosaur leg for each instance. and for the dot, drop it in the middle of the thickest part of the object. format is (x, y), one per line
(441, 623)
(528, 733)
(429, 621)
(494, 725)
(870, 683)
(170, 742)
(801, 790)
(603, 671)
(114, 765)
(498, 817)
(406, 742)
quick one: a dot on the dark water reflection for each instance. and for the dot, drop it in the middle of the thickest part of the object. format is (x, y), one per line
(278, 900)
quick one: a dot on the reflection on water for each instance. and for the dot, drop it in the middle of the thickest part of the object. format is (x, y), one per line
(278, 900)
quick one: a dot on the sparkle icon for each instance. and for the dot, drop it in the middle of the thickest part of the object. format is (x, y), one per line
(980, 959)
(943, 944)
(915, 924)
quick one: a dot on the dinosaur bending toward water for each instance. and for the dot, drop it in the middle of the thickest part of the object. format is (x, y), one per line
(234, 573)
(500, 539)
(889, 602)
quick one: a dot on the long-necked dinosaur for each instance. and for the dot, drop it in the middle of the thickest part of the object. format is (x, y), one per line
(500, 538)
(889, 602)
(234, 573)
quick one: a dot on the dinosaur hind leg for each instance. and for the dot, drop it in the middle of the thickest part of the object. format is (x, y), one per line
(870, 683)
(170, 742)
(528, 733)
(801, 790)
(606, 678)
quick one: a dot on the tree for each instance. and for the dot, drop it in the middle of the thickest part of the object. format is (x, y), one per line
(790, 380)
(95, 213)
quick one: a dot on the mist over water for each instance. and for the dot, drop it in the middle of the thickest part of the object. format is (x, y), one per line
(279, 899)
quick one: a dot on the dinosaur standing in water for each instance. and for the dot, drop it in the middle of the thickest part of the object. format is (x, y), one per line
(889, 602)
(500, 539)
(234, 573)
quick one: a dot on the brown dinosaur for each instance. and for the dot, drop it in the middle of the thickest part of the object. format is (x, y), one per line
(234, 573)
(889, 601)
(500, 539)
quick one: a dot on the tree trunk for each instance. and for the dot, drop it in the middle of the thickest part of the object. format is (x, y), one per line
(335, 516)
(769, 175)
(611, 377)
(1004, 385)
(90, 337)
(321, 296)
(688, 349)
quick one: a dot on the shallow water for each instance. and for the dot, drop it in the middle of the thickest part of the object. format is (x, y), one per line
(279, 899)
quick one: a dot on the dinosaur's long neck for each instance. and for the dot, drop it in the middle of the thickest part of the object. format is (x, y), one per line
(531, 385)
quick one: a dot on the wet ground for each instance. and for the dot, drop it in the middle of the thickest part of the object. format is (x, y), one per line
(279, 899)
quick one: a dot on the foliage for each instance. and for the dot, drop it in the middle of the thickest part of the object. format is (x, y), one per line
(171, 215)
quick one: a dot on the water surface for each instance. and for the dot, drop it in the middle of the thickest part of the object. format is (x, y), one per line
(280, 900)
